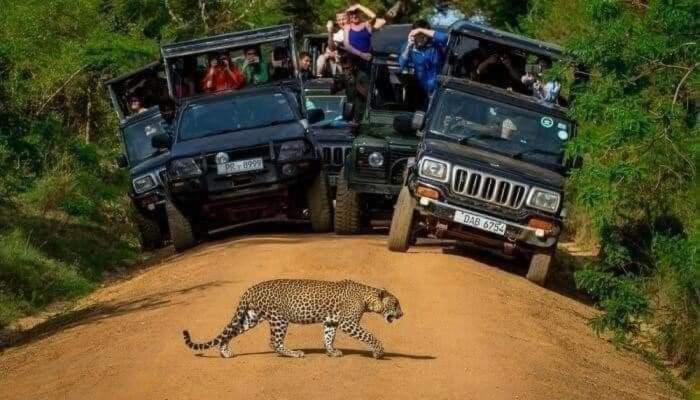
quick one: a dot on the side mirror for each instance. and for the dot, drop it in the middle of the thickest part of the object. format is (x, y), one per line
(161, 141)
(122, 161)
(403, 124)
(315, 115)
(348, 111)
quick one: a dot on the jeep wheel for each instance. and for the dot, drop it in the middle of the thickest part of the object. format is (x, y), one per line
(181, 232)
(149, 232)
(347, 208)
(319, 204)
(539, 267)
(401, 233)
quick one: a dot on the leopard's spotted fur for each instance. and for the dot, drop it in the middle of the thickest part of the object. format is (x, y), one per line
(281, 302)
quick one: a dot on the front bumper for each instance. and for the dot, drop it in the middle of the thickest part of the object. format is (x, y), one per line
(442, 217)
(375, 188)
(150, 202)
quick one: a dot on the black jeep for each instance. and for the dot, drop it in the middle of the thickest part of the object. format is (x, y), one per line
(146, 164)
(490, 168)
(372, 175)
(333, 133)
(242, 156)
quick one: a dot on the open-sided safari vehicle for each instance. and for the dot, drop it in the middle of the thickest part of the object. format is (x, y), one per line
(243, 155)
(144, 90)
(490, 168)
(372, 174)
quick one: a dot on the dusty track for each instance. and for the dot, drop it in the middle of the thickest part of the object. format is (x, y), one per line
(471, 331)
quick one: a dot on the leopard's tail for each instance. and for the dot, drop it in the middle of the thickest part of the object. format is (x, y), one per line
(229, 331)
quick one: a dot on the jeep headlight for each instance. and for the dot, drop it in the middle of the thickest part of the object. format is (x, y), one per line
(292, 151)
(184, 168)
(544, 200)
(434, 169)
(144, 183)
(375, 159)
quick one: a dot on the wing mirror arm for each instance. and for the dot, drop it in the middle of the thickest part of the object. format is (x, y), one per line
(418, 122)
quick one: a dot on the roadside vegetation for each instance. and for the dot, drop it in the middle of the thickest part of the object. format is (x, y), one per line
(64, 216)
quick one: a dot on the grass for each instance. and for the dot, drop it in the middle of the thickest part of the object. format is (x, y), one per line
(47, 258)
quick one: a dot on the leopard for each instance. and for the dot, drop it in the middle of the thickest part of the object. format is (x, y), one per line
(281, 302)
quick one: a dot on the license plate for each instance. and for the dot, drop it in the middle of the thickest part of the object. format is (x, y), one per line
(479, 222)
(234, 167)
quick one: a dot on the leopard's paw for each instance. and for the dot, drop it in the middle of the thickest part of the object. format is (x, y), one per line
(379, 353)
(334, 353)
(296, 354)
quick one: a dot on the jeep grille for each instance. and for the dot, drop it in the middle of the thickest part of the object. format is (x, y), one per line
(334, 155)
(488, 188)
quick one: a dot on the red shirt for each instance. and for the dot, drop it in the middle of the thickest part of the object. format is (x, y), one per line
(223, 80)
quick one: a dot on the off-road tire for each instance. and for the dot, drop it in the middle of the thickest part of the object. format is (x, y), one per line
(401, 233)
(348, 215)
(320, 204)
(181, 232)
(150, 234)
(540, 264)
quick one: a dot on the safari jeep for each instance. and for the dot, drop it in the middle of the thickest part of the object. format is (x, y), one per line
(241, 156)
(333, 132)
(372, 173)
(489, 170)
(145, 163)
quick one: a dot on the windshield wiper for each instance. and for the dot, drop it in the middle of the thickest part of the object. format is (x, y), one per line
(272, 124)
(466, 139)
(520, 154)
(221, 132)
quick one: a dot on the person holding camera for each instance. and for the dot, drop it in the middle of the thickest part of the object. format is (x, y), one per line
(534, 80)
(425, 51)
(254, 68)
(222, 75)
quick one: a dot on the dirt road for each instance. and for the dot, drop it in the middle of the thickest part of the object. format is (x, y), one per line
(470, 331)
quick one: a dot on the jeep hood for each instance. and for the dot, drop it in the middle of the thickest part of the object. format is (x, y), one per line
(325, 135)
(150, 164)
(243, 138)
(497, 164)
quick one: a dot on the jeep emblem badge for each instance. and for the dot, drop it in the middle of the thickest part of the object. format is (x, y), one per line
(221, 158)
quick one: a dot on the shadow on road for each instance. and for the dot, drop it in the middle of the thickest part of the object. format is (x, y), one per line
(346, 352)
(99, 312)
(561, 276)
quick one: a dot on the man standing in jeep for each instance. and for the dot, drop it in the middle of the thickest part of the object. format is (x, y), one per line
(425, 52)
(355, 82)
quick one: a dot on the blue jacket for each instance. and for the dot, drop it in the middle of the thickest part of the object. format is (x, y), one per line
(428, 61)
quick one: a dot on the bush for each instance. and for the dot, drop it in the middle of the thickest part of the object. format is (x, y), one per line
(30, 276)
(639, 140)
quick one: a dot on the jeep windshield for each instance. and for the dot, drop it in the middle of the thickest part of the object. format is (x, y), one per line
(137, 139)
(238, 113)
(394, 90)
(513, 131)
(332, 107)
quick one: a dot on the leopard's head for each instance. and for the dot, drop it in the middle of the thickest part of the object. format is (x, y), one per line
(386, 304)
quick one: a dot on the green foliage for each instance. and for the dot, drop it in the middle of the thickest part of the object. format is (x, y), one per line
(623, 300)
(638, 137)
(32, 276)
